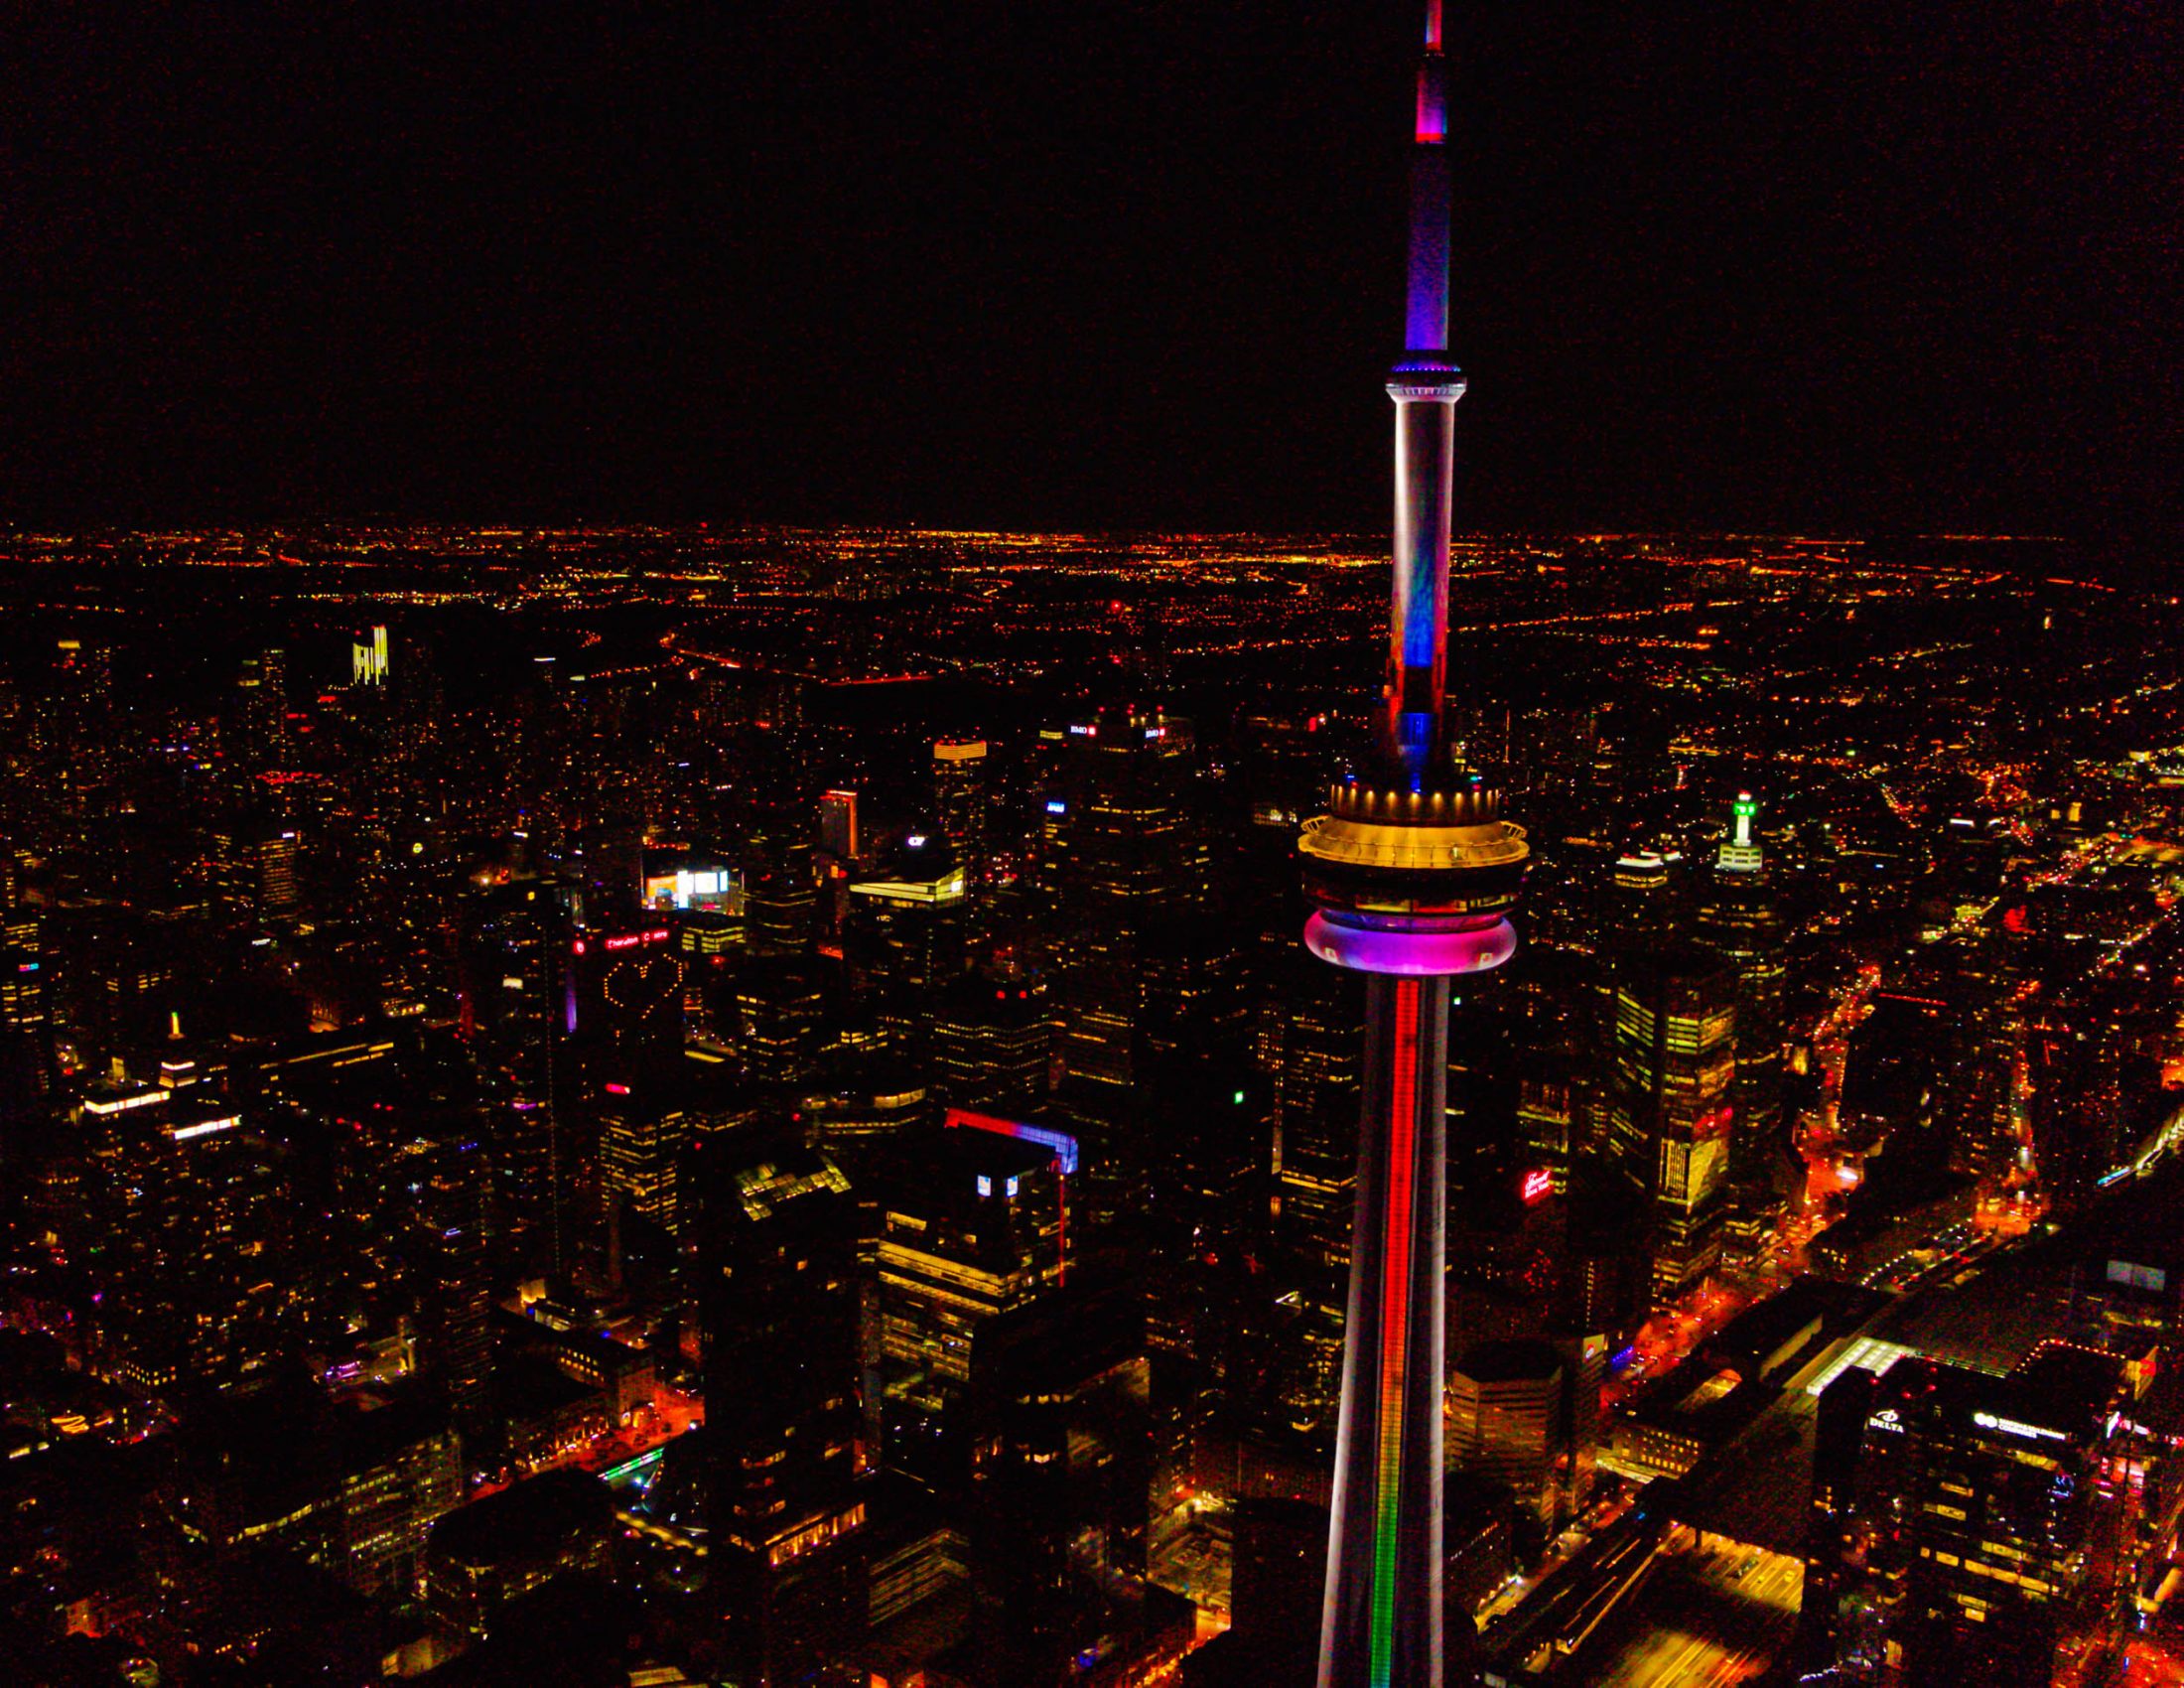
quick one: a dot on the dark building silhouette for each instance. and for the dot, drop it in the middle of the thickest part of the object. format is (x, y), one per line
(785, 1412)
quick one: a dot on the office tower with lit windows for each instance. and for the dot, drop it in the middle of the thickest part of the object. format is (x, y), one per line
(971, 1226)
(261, 719)
(1956, 1519)
(785, 1412)
(1312, 1055)
(643, 1133)
(516, 956)
(1739, 917)
(989, 1043)
(253, 874)
(1134, 866)
(1134, 861)
(454, 1282)
(838, 832)
(398, 1467)
(1506, 1410)
(775, 1021)
(80, 719)
(909, 923)
(961, 800)
(1672, 1039)
(1062, 1472)
(1414, 871)
(26, 1068)
(369, 657)
(629, 1000)
(615, 1083)
(781, 900)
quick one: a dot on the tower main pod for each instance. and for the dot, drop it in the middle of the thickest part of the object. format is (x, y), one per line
(1414, 871)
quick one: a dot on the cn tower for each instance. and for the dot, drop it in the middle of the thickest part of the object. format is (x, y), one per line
(1414, 871)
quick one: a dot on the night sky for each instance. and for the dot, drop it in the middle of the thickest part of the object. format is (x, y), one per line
(1816, 263)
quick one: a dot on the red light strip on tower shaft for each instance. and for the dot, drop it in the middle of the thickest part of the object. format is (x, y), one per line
(1395, 1325)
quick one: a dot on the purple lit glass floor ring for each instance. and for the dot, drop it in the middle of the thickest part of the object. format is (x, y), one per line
(1415, 954)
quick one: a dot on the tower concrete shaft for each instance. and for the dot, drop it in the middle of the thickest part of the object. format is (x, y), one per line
(1382, 1621)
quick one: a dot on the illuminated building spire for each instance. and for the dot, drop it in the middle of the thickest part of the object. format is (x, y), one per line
(1741, 853)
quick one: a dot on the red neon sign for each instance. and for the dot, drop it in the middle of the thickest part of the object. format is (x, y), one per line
(1538, 1186)
(630, 940)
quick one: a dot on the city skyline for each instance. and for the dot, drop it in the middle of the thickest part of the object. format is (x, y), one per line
(436, 964)
(882, 1035)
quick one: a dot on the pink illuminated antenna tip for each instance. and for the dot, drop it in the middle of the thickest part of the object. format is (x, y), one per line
(1432, 119)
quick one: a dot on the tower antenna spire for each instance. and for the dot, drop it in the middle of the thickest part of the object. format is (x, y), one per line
(1425, 384)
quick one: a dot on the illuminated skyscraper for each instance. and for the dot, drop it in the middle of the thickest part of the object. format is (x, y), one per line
(367, 658)
(838, 825)
(972, 1227)
(990, 1042)
(455, 1288)
(1673, 1033)
(1135, 864)
(628, 1000)
(960, 800)
(1739, 916)
(262, 719)
(26, 1029)
(1413, 871)
(1135, 868)
(1957, 1517)
(642, 1136)
(1314, 1166)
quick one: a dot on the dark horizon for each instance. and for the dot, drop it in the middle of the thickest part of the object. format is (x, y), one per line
(1106, 269)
